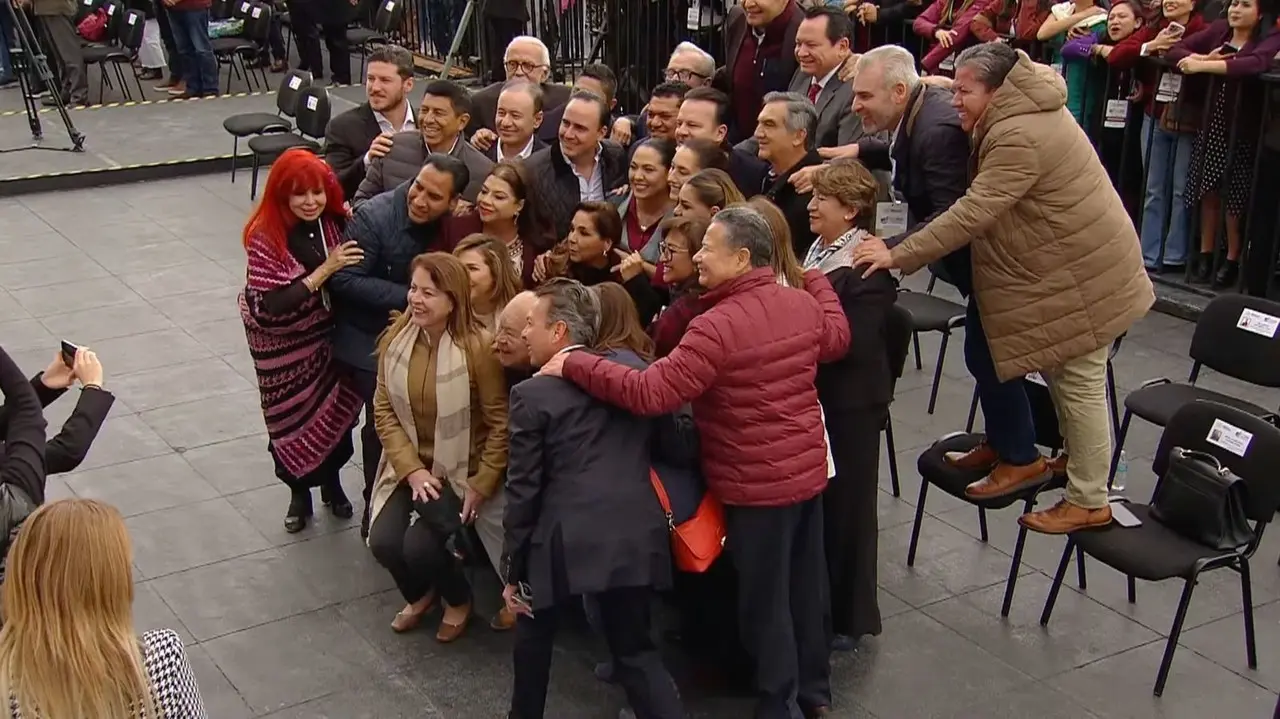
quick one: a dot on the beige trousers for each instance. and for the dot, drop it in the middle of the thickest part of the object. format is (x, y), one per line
(489, 526)
(1079, 392)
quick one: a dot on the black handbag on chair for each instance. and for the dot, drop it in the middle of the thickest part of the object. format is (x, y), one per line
(1203, 501)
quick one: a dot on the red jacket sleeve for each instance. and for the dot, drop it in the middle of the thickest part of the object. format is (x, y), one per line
(835, 324)
(663, 387)
(926, 23)
(1125, 53)
(962, 24)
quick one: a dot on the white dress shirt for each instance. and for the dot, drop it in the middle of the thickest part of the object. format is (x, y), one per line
(385, 125)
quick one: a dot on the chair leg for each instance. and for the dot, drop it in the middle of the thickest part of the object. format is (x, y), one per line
(893, 457)
(235, 151)
(1115, 453)
(124, 84)
(937, 371)
(1174, 634)
(142, 95)
(102, 83)
(1246, 594)
(1113, 401)
(915, 528)
(1057, 583)
(253, 183)
(1080, 576)
(230, 66)
(973, 410)
(1133, 589)
(1016, 563)
(915, 345)
(982, 524)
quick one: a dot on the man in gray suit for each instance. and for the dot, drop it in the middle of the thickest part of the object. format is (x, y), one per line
(821, 50)
(445, 111)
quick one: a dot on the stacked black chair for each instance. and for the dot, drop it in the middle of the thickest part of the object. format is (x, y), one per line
(124, 31)
(897, 338)
(930, 313)
(1155, 553)
(312, 116)
(248, 124)
(388, 17)
(934, 470)
(1235, 335)
(235, 51)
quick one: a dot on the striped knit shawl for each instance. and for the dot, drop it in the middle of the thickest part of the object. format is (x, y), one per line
(308, 404)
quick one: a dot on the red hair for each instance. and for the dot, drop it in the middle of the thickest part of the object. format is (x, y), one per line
(294, 172)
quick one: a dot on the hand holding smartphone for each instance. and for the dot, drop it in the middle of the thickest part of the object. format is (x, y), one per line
(69, 351)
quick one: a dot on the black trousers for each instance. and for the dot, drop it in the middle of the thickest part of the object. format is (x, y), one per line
(370, 445)
(170, 45)
(308, 28)
(626, 626)
(498, 32)
(783, 604)
(416, 556)
(65, 44)
(849, 520)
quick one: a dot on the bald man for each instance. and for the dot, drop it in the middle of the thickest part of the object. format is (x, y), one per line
(511, 349)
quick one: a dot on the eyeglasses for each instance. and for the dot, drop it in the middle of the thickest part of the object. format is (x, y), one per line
(683, 75)
(520, 66)
(666, 251)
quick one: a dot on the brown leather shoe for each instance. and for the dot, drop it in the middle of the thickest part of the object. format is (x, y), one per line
(1007, 479)
(448, 632)
(405, 621)
(1065, 517)
(981, 457)
(1058, 465)
(503, 621)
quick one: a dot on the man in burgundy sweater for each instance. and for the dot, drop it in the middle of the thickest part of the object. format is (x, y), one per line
(747, 364)
(760, 43)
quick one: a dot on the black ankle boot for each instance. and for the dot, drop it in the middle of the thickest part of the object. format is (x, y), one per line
(1202, 268)
(1227, 275)
(336, 500)
(295, 520)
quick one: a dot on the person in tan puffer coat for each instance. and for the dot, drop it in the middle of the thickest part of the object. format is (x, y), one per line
(1057, 267)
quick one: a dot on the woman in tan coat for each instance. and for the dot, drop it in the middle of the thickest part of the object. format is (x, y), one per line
(441, 412)
(1057, 268)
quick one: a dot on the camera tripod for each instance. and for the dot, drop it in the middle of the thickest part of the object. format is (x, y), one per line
(26, 55)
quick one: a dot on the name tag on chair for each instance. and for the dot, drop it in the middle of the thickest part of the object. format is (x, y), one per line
(1259, 323)
(891, 218)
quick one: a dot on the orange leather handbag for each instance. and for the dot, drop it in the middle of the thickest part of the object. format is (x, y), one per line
(698, 541)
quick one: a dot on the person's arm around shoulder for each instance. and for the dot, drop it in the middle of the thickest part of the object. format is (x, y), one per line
(834, 342)
(491, 385)
(357, 283)
(68, 449)
(1009, 166)
(523, 488)
(22, 463)
(177, 694)
(945, 170)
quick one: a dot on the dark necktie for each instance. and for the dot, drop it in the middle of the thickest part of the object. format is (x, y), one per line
(814, 89)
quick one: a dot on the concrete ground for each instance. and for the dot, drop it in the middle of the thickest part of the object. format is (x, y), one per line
(297, 625)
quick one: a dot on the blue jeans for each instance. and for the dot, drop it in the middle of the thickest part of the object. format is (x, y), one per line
(1170, 153)
(6, 37)
(191, 35)
(1006, 412)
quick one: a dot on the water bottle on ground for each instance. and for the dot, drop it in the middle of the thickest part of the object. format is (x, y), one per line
(1122, 473)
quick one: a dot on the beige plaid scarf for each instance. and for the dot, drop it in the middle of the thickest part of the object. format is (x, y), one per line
(452, 452)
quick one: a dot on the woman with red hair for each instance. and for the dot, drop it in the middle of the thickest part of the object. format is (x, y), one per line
(294, 245)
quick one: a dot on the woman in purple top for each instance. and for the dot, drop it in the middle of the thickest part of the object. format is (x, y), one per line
(1240, 47)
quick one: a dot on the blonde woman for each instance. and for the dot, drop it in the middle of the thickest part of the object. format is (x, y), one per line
(785, 264)
(440, 408)
(494, 280)
(68, 649)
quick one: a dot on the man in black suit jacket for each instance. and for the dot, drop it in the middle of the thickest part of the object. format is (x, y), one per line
(352, 139)
(526, 57)
(785, 135)
(570, 533)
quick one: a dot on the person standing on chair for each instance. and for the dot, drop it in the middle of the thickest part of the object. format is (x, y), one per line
(54, 20)
(1057, 267)
(189, 20)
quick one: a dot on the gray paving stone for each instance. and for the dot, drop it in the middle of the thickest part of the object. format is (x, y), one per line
(189, 381)
(234, 466)
(50, 271)
(208, 421)
(59, 299)
(148, 351)
(94, 325)
(143, 486)
(180, 538)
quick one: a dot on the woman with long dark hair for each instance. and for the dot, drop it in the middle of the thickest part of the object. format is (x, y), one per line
(649, 200)
(595, 256)
(294, 245)
(507, 209)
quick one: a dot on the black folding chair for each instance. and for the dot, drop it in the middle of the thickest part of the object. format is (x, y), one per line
(312, 116)
(388, 17)
(898, 342)
(934, 470)
(1154, 552)
(248, 124)
(234, 51)
(1235, 335)
(126, 36)
(931, 314)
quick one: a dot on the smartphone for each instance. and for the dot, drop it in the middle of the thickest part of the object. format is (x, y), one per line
(1176, 28)
(69, 353)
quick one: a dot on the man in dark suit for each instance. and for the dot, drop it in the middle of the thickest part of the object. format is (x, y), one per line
(363, 133)
(784, 134)
(392, 229)
(570, 534)
(705, 114)
(517, 122)
(756, 65)
(528, 58)
(929, 158)
(597, 79)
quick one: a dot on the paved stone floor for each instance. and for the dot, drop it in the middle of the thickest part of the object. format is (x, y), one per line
(297, 625)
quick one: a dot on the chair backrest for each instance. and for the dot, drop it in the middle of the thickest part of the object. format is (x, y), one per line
(220, 10)
(131, 28)
(85, 7)
(1247, 445)
(897, 338)
(257, 26)
(115, 15)
(1238, 336)
(291, 86)
(313, 111)
(389, 16)
(240, 9)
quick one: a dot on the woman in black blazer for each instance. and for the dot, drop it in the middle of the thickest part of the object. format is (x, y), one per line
(855, 393)
(68, 449)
